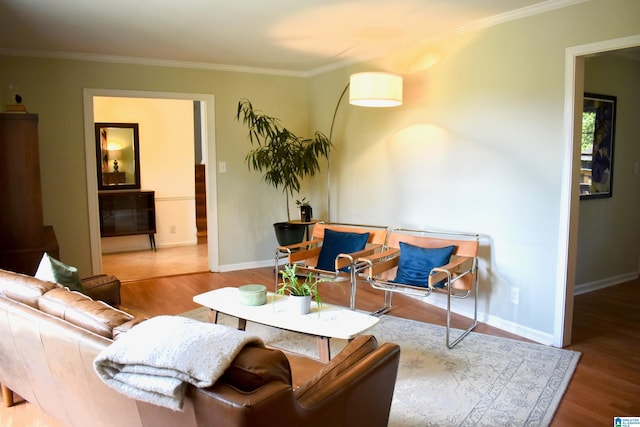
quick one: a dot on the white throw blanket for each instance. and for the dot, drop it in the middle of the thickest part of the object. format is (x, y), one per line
(155, 360)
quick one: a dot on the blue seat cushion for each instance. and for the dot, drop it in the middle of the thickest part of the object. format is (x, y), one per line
(415, 263)
(339, 242)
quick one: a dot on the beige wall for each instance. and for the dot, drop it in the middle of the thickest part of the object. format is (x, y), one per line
(478, 145)
(53, 89)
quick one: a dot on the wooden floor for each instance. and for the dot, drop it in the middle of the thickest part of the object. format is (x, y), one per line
(606, 331)
(148, 264)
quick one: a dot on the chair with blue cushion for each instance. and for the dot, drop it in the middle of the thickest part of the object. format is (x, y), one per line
(418, 263)
(332, 251)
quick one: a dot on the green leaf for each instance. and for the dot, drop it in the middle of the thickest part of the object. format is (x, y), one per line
(282, 157)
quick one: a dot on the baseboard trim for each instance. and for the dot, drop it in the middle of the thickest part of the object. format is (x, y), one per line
(244, 266)
(584, 288)
(440, 301)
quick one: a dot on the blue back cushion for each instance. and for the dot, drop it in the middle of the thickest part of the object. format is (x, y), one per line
(416, 263)
(339, 242)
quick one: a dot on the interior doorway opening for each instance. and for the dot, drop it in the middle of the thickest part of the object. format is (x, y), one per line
(568, 242)
(202, 143)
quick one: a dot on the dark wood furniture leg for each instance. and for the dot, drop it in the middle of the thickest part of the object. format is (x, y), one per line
(324, 349)
(152, 242)
(212, 316)
(7, 396)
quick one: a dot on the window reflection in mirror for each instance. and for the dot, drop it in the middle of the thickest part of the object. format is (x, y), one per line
(117, 156)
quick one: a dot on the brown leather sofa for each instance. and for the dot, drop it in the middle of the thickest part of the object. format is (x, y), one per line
(50, 337)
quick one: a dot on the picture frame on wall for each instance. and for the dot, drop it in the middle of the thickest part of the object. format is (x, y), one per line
(597, 146)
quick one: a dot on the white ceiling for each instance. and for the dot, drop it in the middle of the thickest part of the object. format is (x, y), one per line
(298, 36)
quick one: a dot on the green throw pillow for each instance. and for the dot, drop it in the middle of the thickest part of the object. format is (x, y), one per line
(52, 270)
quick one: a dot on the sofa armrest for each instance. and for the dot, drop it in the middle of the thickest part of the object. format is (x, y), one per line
(356, 388)
(221, 405)
(351, 355)
(103, 287)
(367, 386)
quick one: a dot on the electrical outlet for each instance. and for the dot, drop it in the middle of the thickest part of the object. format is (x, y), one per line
(172, 229)
(515, 295)
(222, 167)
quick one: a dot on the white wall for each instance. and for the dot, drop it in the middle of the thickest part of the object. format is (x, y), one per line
(609, 233)
(166, 166)
(478, 145)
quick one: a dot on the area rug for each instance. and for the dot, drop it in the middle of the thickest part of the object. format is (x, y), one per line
(483, 381)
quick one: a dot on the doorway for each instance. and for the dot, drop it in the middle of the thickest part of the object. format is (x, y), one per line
(206, 106)
(568, 241)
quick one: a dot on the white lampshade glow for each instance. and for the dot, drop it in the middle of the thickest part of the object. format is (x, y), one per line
(114, 146)
(115, 154)
(375, 89)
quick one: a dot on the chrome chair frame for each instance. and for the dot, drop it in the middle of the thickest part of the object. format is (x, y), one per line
(372, 267)
(300, 252)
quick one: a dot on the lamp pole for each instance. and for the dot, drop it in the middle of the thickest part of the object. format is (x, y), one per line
(333, 122)
(368, 89)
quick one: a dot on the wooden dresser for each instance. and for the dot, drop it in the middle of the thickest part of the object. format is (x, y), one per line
(23, 236)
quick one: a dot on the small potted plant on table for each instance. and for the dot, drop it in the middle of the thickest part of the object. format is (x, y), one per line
(306, 212)
(300, 289)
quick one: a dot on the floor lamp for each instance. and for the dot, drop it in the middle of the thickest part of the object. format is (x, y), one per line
(369, 89)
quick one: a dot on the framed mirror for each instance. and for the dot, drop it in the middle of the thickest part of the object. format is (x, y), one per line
(117, 156)
(596, 154)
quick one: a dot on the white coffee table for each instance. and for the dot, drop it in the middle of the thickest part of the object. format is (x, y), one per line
(330, 322)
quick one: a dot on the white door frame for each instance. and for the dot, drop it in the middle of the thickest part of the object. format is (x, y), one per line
(569, 201)
(208, 105)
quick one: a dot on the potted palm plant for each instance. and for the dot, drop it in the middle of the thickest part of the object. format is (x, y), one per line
(300, 289)
(282, 157)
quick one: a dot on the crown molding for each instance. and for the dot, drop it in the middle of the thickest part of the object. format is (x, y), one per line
(525, 12)
(150, 62)
(480, 24)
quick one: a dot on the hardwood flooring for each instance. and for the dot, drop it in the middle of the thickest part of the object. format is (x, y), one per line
(606, 331)
(606, 384)
(148, 264)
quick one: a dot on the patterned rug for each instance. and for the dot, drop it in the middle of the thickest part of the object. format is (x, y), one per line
(483, 381)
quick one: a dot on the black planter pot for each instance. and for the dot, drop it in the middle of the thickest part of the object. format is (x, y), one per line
(306, 212)
(288, 234)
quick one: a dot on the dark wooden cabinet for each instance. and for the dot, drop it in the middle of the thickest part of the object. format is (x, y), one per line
(23, 236)
(128, 212)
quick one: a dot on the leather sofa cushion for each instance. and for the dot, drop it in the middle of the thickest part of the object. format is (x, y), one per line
(256, 366)
(126, 326)
(23, 288)
(103, 287)
(351, 354)
(74, 307)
